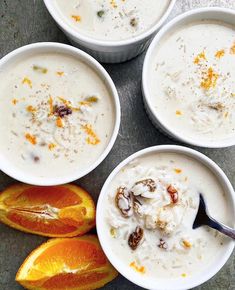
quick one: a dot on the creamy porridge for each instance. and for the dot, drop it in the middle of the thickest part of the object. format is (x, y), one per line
(58, 115)
(111, 19)
(151, 205)
(192, 81)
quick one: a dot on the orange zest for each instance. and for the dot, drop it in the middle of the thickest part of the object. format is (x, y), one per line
(199, 57)
(77, 18)
(51, 146)
(178, 113)
(209, 79)
(232, 49)
(54, 211)
(220, 53)
(59, 122)
(27, 81)
(14, 101)
(51, 107)
(140, 269)
(60, 73)
(31, 138)
(31, 109)
(92, 138)
(187, 244)
(177, 170)
(72, 264)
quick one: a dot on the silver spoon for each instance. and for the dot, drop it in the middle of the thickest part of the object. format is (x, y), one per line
(203, 218)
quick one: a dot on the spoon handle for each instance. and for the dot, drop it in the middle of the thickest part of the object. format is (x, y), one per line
(222, 228)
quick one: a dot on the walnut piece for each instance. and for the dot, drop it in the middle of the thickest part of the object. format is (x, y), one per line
(173, 193)
(124, 202)
(135, 238)
(150, 183)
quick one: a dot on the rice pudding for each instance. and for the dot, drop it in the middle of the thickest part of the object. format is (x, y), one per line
(111, 19)
(150, 206)
(58, 114)
(192, 81)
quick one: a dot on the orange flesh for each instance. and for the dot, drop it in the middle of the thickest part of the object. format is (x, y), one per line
(51, 211)
(76, 263)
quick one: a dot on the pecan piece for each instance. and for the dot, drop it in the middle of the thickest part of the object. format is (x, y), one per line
(62, 111)
(173, 193)
(137, 206)
(124, 201)
(135, 238)
(150, 183)
(162, 244)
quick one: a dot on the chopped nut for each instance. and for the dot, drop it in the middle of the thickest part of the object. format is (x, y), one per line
(161, 224)
(216, 106)
(124, 202)
(173, 193)
(137, 206)
(162, 244)
(134, 22)
(36, 159)
(150, 183)
(135, 238)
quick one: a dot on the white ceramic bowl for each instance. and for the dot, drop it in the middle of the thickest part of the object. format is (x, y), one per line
(168, 284)
(51, 47)
(226, 15)
(109, 51)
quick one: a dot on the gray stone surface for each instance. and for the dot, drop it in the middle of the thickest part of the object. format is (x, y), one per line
(27, 21)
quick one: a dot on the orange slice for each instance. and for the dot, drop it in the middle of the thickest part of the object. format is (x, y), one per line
(69, 263)
(55, 211)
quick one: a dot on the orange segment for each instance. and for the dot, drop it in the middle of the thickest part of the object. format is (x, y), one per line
(71, 264)
(55, 211)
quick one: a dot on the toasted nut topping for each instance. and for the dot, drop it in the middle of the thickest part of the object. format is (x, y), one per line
(124, 202)
(148, 182)
(173, 193)
(162, 244)
(135, 238)
(137, 206)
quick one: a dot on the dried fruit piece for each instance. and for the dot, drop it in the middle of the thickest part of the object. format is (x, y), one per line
(162, 244)
(55, 211)
(72, 263)
(135, 238)
(62, 111)
(150, 183)
(124, 202)
(173, 193)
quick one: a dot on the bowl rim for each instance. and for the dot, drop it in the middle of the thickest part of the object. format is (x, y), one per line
(138, 280)
(99, 69)
(106, 43)
(147, 62)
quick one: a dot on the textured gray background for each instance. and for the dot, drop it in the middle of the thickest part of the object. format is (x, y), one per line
(27, 21)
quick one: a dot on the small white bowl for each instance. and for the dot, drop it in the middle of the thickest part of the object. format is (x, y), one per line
(50, 47)
(109, 51)
(167, 284)
(222, 14)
